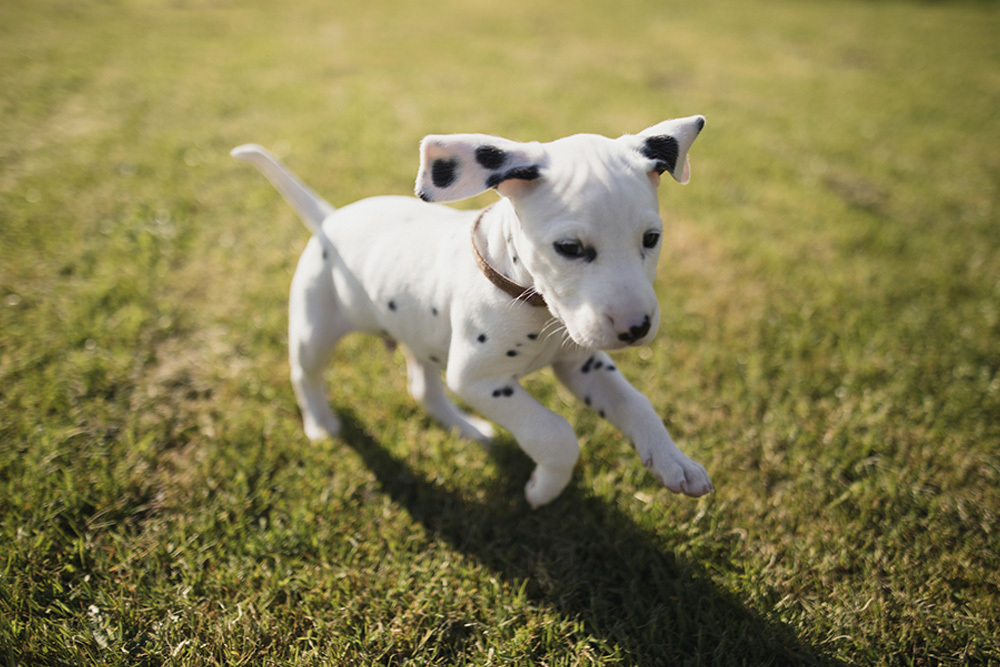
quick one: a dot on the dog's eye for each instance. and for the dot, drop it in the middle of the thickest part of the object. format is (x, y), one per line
(650, 239)
(569, 249)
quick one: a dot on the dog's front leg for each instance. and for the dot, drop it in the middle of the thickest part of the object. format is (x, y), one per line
(543, 435)
(597, 382)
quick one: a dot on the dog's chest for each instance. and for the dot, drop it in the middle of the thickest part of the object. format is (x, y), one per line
(405, 270)
(488, 330)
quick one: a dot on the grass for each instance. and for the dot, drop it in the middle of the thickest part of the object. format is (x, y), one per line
(829, 345)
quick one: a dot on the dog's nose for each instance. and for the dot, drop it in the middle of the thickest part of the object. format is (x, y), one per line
(636, 332)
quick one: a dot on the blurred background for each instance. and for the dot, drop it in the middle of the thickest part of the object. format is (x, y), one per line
(830, 285)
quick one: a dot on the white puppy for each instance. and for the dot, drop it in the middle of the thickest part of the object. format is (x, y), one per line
(561, 268)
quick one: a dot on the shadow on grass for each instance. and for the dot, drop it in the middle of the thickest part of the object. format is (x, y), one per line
(591, 563)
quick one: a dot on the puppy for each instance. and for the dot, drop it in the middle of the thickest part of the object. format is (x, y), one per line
(555, 273)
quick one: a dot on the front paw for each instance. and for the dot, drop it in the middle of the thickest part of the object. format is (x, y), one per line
(680, 474)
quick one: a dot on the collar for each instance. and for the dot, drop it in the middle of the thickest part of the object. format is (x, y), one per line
(519, 292)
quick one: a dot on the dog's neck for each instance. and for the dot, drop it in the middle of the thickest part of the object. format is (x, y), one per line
(495, 239)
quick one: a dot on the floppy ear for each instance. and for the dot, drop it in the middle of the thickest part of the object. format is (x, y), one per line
(458, 166)
(665, 146)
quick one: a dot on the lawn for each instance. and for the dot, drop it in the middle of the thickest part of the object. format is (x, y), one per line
(829, 347)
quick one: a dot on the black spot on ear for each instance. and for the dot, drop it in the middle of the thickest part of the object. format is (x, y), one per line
(522, 173)
(664, 150)
(481, 338)
(490, 157)
(444, 172)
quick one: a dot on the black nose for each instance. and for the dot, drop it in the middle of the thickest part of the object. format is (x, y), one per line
(636, 332)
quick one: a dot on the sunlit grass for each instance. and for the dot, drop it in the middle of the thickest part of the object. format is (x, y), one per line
(829, 344)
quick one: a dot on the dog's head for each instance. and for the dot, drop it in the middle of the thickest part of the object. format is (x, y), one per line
(588, 227)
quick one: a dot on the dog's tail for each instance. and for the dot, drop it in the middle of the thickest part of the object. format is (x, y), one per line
(312, 208)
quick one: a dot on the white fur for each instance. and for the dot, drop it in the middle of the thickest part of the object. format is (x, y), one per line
(405, 269)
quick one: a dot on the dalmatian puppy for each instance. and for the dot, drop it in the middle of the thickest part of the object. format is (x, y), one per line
(557, 272)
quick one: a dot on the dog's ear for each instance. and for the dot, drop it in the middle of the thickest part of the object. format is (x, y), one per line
(459, 166)
(664, 147)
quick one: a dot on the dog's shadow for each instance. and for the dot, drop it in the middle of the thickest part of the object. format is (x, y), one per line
(588, 561)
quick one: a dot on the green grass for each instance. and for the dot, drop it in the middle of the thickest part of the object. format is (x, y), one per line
(829, 349)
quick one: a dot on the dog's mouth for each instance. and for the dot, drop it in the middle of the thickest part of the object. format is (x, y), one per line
(607, 338)
(609, 344)
(603, 343)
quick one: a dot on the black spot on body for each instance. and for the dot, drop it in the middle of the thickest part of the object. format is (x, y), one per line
(511, 353)
(503, 391)
(523, 173)
(435, 359)
(444, 172)
(598, 365)
(664, 150)
(601, 413)
(434, 311)
(490, 157)
(392, 305)
(324, 253)
(532, 336)
(426, 196)
(481, 338)
(586, 400)
(611, 369)
(587, 366)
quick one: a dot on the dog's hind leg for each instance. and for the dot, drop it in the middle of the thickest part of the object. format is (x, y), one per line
(314, 327)
(426, 387)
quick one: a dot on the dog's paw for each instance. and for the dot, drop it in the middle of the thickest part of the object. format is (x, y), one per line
(681, 475)
(477, 430)
(327, 427)
(545, 485)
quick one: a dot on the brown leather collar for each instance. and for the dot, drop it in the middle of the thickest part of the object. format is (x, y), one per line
(519, 292)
